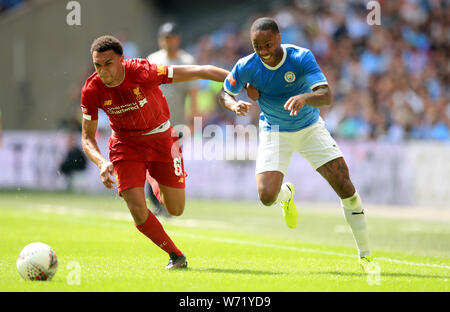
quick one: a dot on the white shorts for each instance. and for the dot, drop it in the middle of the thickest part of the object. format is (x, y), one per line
(314, 143)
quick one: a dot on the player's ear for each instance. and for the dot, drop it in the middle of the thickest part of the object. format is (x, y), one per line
(278, 36)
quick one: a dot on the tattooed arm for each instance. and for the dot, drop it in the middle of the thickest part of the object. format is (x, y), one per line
(320, 96)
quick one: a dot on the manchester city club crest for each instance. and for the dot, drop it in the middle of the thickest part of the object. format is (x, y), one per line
(289, 76)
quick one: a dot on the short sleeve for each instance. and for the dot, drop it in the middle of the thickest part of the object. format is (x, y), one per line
(311, 71)
(89, 104)
(234, 83)
(155, 73)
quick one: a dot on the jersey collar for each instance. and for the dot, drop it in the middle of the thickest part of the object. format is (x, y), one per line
(280, 63)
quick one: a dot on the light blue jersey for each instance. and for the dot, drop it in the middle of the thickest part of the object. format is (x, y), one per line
(297, 73)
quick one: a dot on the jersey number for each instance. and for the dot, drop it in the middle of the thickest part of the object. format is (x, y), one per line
(177, 166)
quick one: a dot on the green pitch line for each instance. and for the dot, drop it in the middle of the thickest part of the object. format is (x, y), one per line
(307, 250)
(231, 246)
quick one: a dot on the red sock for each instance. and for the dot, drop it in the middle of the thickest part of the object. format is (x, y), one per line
(153, 229)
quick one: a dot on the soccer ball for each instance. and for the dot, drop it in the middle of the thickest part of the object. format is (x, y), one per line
(37, 261)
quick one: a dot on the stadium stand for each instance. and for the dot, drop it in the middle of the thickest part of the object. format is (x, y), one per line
(390, 82)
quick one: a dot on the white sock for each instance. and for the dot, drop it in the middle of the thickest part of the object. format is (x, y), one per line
(354, 214)
(283, 195)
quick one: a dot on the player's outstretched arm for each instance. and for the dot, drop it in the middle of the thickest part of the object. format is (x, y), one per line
(240, 108)
(90, 148)
(320, 96)
(193, 72)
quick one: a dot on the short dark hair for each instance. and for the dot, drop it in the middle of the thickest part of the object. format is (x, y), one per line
(105, 43)
(264, 23)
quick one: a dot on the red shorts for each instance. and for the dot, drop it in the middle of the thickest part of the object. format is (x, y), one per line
(158, 154)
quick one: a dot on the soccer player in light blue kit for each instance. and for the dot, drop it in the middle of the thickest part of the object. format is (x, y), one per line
(290, 89)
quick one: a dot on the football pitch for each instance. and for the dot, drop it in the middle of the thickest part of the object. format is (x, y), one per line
(230, 246)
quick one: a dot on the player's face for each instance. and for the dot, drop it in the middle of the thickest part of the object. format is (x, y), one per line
(267, 45)
(108, 65)
(170, 43)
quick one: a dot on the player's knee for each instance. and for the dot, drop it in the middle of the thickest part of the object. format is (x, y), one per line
(176, 210)
(139, 213)
(267, 197)
(346, 188)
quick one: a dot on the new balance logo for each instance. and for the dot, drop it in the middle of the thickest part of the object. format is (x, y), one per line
(142, 102)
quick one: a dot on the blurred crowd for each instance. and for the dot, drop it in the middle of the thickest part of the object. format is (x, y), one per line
(390, 81)
(10, 5)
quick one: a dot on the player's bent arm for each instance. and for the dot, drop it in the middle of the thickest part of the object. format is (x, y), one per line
(90, 147)
(320, 96)
(89, 143)
(193, 72)
(228, 101)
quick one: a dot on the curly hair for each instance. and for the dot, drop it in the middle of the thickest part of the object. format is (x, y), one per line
(105, 43)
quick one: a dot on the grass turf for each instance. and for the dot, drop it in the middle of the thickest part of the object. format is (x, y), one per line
(231, 246)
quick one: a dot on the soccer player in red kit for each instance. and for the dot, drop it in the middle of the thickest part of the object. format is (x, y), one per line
(142, 138)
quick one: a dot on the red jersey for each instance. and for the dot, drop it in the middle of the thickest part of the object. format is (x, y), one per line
(135, 106)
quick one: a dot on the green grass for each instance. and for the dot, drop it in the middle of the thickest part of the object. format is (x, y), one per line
(231, 246)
